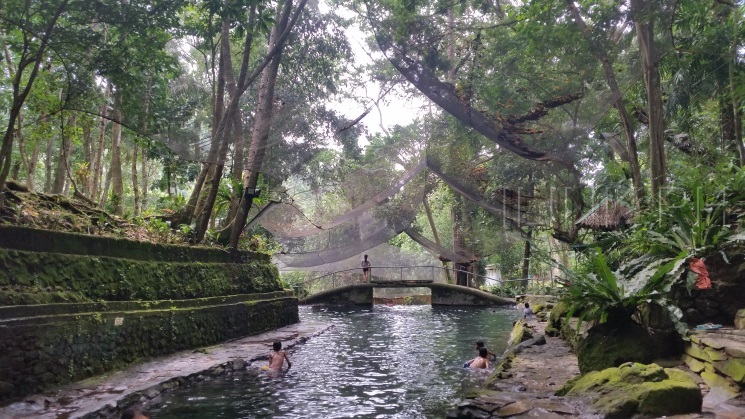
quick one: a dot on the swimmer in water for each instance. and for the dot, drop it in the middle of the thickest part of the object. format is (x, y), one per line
(278, 357)
(482, 361)
(480, 344)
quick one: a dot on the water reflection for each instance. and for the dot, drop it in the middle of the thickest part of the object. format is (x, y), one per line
(399, 361)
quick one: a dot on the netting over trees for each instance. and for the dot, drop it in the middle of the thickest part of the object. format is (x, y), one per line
(510, 149)
(530, 104)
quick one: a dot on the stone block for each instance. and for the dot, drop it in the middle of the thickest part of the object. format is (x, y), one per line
(712, 379)
(694, 364)
(735, 352)
(697, 352)
(712, 343)
(733, 368)
(715, 355)
(740, 319)
(637, 389)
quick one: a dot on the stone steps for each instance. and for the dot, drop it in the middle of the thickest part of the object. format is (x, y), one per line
(718, 356)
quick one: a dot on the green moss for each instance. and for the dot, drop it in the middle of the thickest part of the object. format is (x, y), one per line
(733, 368)
(557, 315)
(570, 334)
(500, 370)
(519, 333)
(604, 348)
(636, 389)
(40, 278)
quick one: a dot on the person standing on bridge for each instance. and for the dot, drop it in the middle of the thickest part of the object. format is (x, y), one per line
(365, 264)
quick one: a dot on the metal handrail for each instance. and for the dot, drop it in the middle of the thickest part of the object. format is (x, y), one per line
(501, 281)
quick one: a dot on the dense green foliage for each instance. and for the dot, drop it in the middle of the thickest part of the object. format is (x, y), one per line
(541, 109)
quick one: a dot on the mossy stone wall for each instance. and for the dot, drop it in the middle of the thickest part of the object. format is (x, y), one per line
(42, 278)
(35, 240)
(73, 306)
(48, 350)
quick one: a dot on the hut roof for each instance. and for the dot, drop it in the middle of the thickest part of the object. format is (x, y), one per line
(606, 216)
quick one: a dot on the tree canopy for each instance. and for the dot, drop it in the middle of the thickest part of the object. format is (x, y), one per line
(222, 117)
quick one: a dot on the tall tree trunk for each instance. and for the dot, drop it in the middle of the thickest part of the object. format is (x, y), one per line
(144, 178)
(63, 161)
(48, 160)
(237, 171)
(644, 23)
(195, 205)
(139, 200)
(527, 253)
(135, 184)
(33, 162)
(98, 162)
(85, 181)
(117, 188)
(16, 170)
(105, 189)
(209, 194)
(262, 120)
(459, 220)
(436, 236)
(599, 51)
(736, 107)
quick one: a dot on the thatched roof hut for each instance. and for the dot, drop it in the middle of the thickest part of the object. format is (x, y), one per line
(606, 216)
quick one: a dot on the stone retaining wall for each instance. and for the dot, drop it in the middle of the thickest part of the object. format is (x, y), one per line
(73, 306)
(51, 349)
(43, 278)
(719, 360)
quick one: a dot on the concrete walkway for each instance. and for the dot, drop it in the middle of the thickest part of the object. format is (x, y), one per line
(111, 392)
(525, 387)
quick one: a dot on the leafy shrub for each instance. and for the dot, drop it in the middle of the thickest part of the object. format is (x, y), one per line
(616, 297)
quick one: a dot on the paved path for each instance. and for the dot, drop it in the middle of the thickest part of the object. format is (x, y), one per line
(148, 380)
(540, 369)
(526, 385)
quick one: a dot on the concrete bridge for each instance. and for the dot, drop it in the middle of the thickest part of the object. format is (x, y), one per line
(442, 294)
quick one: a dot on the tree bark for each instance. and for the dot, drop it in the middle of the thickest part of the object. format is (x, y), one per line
(141, 195)
(117, 188)
(736, 107)
(204, 216)
(98, 162)
(85, 181)
(195, 205)
(33, 162)
(263, 119)
(601, 54)
(63, 160)
(444, 95)
(644, 24)
(135, 184)
(527, 252)
(48, 160)
(144, 178)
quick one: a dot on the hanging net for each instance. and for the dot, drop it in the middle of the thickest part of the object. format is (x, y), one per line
(505, 151)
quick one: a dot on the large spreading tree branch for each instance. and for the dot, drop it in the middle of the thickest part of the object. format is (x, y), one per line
(445, 96)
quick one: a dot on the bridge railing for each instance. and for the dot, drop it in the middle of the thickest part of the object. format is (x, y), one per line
(410, 274)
